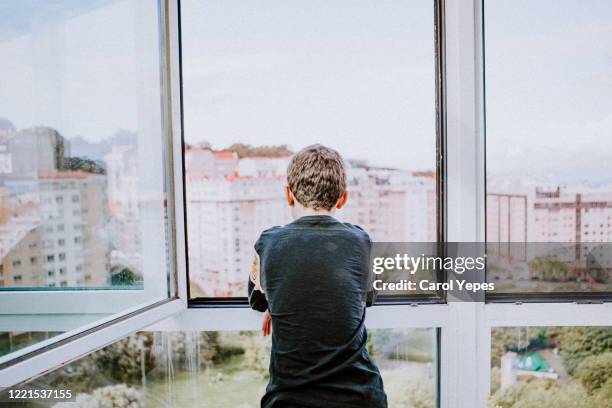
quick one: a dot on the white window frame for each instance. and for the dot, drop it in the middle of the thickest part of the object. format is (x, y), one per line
(465, 349)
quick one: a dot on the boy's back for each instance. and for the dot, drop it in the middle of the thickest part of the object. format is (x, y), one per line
(314, 272)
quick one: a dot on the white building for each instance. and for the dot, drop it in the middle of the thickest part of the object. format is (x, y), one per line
(124, 196)
(392, 205)
(202, 162)
(579, 222)
(64, 241)
(263, 166)
(226, 215)
(229, 208)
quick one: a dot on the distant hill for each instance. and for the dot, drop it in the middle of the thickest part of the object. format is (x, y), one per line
(245, 150)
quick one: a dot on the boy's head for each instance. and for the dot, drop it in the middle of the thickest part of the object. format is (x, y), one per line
(316, 178)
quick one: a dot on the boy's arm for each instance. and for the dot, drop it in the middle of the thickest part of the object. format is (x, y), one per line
(372, 293)
(257, 299)
(371, 297)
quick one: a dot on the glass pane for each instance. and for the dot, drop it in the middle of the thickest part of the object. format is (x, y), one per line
(226, 369)
(82, 174)
(562, 367)
(549, 146)
(264, 79)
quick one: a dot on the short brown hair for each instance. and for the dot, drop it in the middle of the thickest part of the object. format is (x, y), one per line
(316, 177)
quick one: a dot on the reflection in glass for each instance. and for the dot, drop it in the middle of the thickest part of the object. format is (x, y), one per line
(82, 183)
(228, 369)
(265, 79)
(551, 367)
(550, 266)
(548, 135)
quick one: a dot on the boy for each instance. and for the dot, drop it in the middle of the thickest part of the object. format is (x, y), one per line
(311, 278)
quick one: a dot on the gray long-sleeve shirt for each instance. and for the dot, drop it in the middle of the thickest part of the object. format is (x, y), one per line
(315, 276)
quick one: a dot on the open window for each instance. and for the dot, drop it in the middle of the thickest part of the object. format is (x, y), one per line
(87, 231)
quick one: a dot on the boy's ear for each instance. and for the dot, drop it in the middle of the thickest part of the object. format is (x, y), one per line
(289, 196)
(343, 199)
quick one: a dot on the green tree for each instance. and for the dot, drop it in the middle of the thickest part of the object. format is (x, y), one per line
(578, 343)
(595, 371)
(421, 394)
(123, 360)
(120, 362)
(245, 150)
(257, 353)
(111, 396)
(80, 164)
(495, 379)
(549, 269)
(604, 395)
(539, 393)
(124, 276)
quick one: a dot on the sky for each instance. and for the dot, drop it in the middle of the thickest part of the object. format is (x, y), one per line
(357, 75)
(84, 68)
(549, 88)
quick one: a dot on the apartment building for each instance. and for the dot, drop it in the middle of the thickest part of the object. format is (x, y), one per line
(53, 221)
(576, 227)
(236, 208)
(239, 203)
(63, 243)
(124, 197)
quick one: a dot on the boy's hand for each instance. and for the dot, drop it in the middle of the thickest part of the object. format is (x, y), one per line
(266, 326)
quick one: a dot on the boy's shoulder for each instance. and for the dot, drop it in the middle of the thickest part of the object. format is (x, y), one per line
(270, 234)
(267, 234)
(273, 230)
(358, 230)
